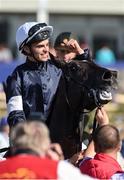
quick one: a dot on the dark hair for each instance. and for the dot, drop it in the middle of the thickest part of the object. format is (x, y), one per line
(60, 40)
(106, 138)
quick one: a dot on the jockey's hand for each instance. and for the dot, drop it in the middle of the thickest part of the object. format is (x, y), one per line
(102, 117)
(55, 152)
(73, 45)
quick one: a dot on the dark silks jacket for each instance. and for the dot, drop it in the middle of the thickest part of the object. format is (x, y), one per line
(25, 90)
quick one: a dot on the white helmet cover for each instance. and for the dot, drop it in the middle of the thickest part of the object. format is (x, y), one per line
(32, 31)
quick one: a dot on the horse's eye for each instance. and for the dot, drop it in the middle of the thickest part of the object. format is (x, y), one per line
(74, 68)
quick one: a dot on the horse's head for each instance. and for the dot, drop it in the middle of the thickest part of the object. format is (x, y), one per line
(95, 82)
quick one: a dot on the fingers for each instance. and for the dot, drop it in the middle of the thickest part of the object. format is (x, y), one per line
(57, 148)
(55, 152)
(72, 43)
(74, 46)
(102, 117)
(76, 158)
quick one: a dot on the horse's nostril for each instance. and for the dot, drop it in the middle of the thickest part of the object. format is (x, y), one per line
(107, 75)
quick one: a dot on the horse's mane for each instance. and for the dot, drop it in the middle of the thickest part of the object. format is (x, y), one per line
(58, 63)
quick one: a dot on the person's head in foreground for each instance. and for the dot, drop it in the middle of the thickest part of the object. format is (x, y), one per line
(107, 139)
(32, 135)
(30, 143)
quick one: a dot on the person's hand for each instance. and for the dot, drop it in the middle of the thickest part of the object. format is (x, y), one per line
(76, 158)
(55, 152)
(74, 46)
(102, 117)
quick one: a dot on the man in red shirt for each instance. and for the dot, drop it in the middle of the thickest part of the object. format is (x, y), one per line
(104, 148)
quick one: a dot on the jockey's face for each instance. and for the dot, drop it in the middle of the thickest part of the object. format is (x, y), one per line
(40, 50)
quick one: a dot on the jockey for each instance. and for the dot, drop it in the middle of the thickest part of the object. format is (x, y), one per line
(32, 86)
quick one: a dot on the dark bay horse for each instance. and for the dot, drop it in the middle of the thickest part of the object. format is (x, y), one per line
(83, 86)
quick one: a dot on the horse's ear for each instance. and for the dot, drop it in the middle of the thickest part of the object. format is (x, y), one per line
(58, 63)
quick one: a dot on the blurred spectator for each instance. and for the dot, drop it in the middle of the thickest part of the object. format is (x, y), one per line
(67, 48)
(105, 56)
(33, 156)
(4, 134)
(5, 54)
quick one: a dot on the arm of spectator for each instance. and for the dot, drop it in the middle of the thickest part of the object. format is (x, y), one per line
(102, 119)
(84, 56)
(76, 158)
(81, 54)
(75, 47)
(90, 151)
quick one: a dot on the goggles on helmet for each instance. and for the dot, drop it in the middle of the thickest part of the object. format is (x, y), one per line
(38, 32)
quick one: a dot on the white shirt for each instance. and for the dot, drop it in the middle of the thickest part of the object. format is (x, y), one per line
(67, 171)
